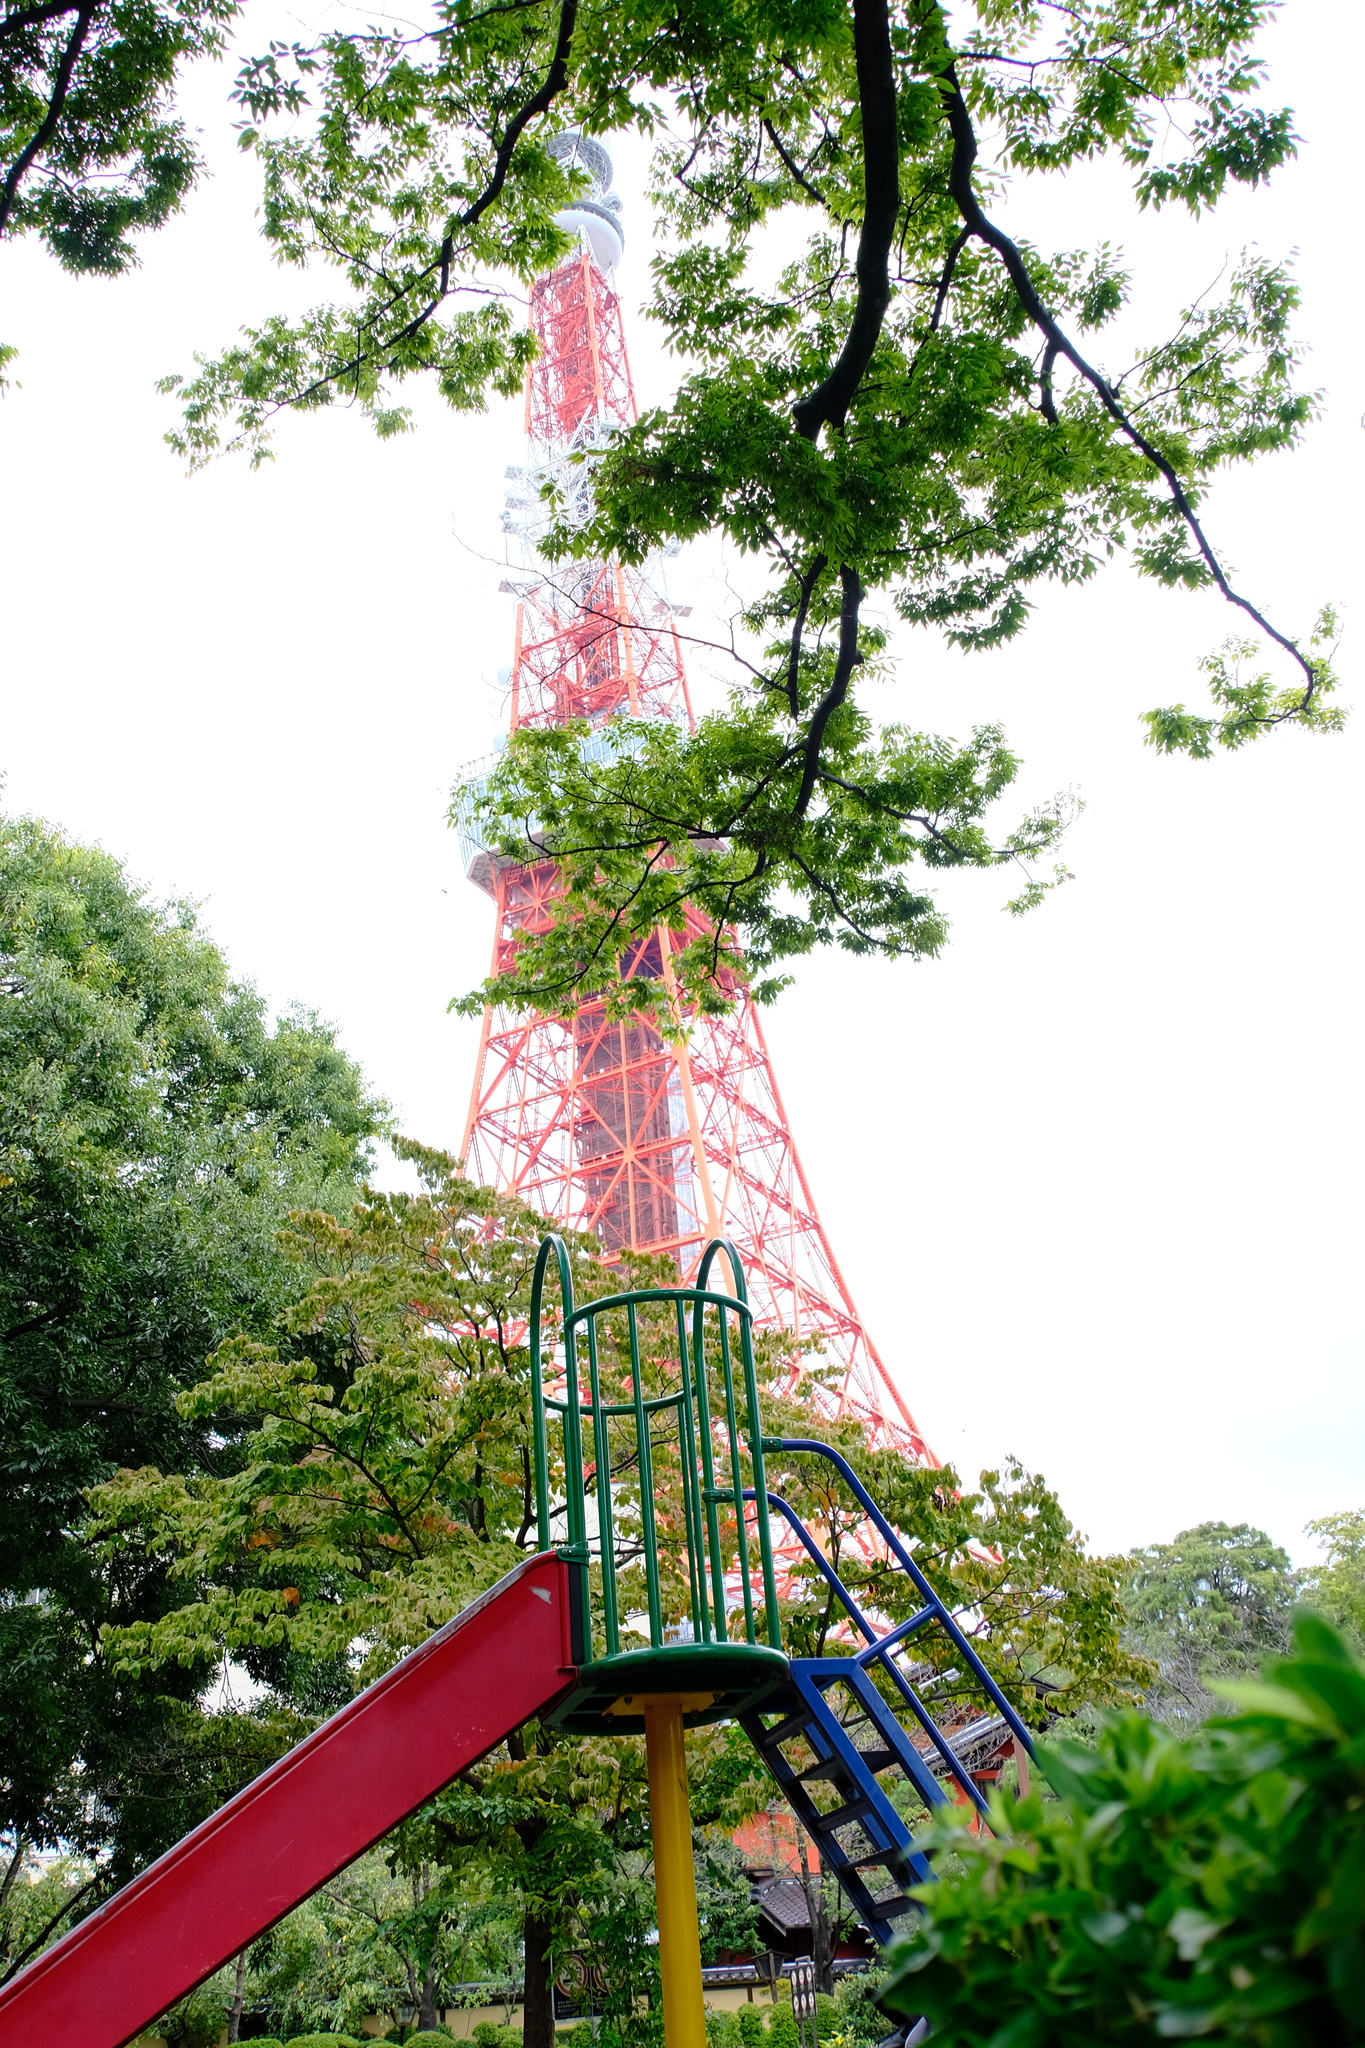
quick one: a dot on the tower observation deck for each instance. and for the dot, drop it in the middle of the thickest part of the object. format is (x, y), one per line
(602, 1125)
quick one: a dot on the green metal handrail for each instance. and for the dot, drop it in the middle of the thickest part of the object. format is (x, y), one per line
(698, 1423)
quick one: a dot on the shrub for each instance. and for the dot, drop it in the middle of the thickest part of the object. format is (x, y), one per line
(488, 2034)
(750, 2019)
(782, 2028)
(1209, 1887)
(856, 2016)
(324, 2041)
(430, 2037)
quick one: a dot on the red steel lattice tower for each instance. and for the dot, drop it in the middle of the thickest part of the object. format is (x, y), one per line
(602, 1125)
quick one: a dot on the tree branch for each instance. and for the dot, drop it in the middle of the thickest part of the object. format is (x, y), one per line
(1059, 343)
(792, 168)
(32, 1948)
(41, 137)
(847, 660)
(31, 17)
(946, 280)
(50, 1315)
(808, 583)
(828, 404)
(556, 78)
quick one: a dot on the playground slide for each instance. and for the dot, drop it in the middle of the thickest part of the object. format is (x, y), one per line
(504, 1659)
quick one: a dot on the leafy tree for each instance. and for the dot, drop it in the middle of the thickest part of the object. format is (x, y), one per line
(1212, 1604)
(38, 1901)
(1046, 1618)
(1336, 1587)
(363, 1945)
(856, 2015)
(154, 1129)
(196, 2021)
(385, 1476)
(727, 1914)
(1208, 1888)
(913, 411)
(92, 151)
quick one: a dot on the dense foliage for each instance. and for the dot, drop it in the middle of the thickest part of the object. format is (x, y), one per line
(91, 148)
(1336, 1586)
(154, 1132)
(1211, 1888)
(915, 408)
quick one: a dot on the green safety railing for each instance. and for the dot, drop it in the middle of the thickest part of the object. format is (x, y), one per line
(715, 1429)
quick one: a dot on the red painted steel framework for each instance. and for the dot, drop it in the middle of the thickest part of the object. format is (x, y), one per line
(604, 1125)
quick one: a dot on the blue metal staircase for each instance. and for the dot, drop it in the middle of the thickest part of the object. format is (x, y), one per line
(865, 1774)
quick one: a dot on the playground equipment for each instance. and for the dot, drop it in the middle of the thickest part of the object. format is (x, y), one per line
(652, 1605)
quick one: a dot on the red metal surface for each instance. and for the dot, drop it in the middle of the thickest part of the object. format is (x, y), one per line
(440, 1710)
(591, 640)
(582, 371)
(607, 1126)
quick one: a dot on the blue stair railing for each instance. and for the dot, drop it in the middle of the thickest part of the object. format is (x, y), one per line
(845, 1762)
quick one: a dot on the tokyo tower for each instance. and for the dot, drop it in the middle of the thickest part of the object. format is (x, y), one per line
(605, 1126)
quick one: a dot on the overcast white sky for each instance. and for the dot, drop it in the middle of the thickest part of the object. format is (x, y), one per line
(1094, 1177)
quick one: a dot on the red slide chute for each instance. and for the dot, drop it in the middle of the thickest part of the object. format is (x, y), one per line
(503, 1660)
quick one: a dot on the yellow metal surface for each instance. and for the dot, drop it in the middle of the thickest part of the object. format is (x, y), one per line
(633, 1704)
(675, 1886)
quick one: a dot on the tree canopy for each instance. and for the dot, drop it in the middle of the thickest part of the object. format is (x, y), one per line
(92, 150)
(154, 1130)
(919, 411)
(1210, 1605)
(1336, 1586)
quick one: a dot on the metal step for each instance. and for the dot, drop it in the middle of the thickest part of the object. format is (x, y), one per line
(841, 1763)
(810, 1717)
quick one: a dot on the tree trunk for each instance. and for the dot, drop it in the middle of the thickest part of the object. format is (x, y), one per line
(538, 2012)
(427, 2015)
(234, 2018)
(15, 1865)
(823, 1939)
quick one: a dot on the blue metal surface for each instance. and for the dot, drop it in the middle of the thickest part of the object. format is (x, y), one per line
(837, 1748)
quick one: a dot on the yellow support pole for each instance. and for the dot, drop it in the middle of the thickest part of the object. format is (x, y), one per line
(675, 1884)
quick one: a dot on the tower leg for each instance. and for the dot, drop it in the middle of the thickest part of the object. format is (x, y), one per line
(675, 1884)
